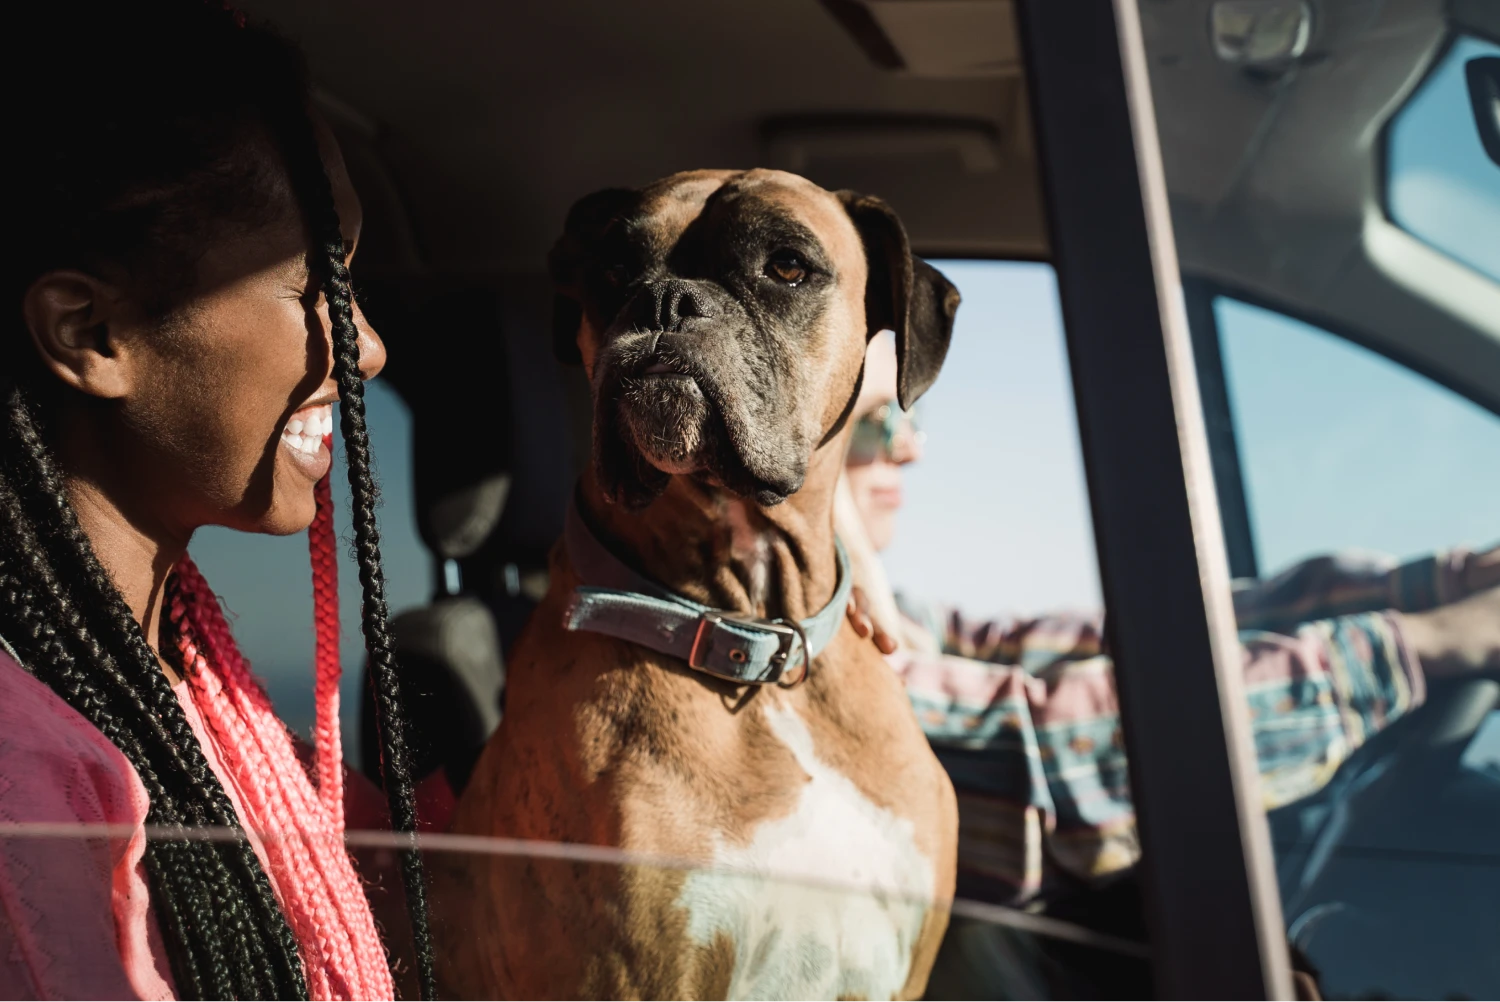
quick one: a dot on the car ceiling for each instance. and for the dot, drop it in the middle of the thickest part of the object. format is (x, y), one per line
(490, 119)
(471, 127)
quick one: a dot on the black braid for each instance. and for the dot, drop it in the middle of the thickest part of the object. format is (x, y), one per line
(311, 180)
(221, 917)
(173, 92)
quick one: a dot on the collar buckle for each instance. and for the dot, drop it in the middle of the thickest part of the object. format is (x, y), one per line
(790, 638)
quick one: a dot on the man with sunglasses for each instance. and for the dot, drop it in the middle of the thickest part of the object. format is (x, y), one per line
(1023, 711)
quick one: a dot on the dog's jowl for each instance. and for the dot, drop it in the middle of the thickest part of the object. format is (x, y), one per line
(689, 691)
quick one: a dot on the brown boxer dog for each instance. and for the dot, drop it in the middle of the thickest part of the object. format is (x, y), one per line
(722, 317)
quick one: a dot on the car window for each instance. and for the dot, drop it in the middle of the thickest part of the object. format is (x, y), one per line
(993, 561)
(991, 949)
(996, 513)
(266, 583)
(1343, 449)
(1441, 186)
(1383, 484)
(1349, 388)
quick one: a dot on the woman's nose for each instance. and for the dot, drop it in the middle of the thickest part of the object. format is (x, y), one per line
(371, 348)
(906, 447)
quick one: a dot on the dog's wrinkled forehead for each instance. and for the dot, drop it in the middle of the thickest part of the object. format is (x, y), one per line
(697, 213)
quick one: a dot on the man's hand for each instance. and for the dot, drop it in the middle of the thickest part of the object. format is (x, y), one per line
(1482, 570)
(1457, 639)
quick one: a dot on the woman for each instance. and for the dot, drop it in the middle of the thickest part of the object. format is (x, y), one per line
(182, 324)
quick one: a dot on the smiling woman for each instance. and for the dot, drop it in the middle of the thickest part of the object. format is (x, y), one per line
(181, 271)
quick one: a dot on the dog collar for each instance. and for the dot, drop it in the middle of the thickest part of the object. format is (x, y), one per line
(746, 650)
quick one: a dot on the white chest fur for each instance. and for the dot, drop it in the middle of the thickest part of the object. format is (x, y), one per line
(822, 903)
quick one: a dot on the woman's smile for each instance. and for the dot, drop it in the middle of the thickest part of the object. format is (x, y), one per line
(308, 438)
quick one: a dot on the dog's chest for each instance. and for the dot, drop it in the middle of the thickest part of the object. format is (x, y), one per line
(826, 902)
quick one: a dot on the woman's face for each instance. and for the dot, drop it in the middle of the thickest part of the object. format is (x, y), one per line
(875, 481)
(216, 415)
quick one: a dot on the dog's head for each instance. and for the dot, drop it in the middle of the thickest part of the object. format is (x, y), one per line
(723, 317)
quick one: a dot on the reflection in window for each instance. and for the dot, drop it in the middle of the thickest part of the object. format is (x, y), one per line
(1442, 187)
(1344, 449)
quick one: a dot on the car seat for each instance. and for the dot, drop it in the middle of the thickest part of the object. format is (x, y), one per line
(495, 453)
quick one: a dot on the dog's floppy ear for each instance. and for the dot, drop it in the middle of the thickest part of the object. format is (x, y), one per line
(904, 294)
(587, 219)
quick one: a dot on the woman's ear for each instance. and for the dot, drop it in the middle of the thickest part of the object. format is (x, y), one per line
(71, 316)
(905, 294)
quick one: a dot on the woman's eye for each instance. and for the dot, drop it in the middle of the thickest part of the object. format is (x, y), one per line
(788, 268)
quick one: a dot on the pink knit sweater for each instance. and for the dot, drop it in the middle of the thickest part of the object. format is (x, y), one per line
(75, 916)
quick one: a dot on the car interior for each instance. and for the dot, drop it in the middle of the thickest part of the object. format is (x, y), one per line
(469, 129)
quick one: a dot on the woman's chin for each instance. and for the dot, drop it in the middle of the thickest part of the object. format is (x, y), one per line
(881, 530)
(292, 511)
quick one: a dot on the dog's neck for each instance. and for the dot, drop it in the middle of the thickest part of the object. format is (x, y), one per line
(728, 552)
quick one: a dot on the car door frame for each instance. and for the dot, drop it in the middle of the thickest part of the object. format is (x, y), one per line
(1208, 874)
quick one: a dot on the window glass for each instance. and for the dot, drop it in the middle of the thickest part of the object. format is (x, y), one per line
(996, 513)
(1344, 449)
(266, 583)
(1442, 187)
(993, 563)
(1009, 950)
(1369, 639)
(1372, 494)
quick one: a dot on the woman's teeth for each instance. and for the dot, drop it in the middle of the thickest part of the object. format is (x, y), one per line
(305, 434)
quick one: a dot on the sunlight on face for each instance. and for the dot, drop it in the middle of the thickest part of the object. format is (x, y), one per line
(876, 481)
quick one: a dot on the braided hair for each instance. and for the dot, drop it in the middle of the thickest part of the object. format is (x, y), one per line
(179, 94)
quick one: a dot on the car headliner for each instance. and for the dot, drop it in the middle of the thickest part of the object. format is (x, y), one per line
(471, 127)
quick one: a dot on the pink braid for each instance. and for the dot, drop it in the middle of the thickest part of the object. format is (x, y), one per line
(301, 828)
(321, 546)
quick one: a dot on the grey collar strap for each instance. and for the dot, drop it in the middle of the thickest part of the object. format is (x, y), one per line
(748, 650)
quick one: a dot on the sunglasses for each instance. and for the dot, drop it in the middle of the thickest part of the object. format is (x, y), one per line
(876, 434)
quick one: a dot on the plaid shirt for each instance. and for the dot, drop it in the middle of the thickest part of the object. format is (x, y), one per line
(1023, 711)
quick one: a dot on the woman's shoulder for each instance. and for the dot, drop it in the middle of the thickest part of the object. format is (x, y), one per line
(55, 766)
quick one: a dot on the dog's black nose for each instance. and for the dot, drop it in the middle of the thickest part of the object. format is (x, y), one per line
(672, 301)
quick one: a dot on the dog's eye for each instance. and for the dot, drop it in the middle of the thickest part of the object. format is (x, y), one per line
(787, 267)
(616, 275)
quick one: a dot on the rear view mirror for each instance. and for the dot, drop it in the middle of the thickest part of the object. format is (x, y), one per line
(1484, 93)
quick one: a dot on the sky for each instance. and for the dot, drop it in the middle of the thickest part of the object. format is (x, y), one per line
(996, 515)
(1342, 449)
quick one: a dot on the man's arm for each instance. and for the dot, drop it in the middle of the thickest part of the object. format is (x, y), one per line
(1348, 583)
(1027, 722)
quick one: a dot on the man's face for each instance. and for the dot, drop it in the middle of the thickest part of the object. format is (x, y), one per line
(875, 475)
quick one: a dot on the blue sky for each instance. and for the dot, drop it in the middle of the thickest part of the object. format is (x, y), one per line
(1342, 449)
(996, 515)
